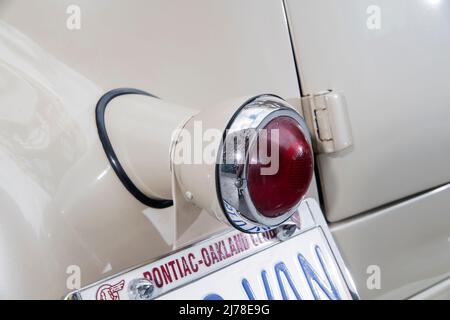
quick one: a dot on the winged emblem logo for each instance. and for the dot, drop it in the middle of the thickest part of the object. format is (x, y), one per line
(110, 292)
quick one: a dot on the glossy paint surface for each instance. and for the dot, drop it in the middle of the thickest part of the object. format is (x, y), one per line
(391, 59)
(406, 246)
(63, 211)
(62, 207)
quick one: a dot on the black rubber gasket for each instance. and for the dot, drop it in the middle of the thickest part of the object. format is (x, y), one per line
(111, 155)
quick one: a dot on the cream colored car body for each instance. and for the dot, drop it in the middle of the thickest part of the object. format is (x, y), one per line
(62, 206)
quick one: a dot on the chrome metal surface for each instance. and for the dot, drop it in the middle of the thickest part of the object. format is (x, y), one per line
(141, 289)
(286, 231)
(240, 136)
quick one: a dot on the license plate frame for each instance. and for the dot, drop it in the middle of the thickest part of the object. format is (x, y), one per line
(199, 268)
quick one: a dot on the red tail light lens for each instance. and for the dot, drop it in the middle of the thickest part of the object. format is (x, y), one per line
(265, 164)
(278, 192)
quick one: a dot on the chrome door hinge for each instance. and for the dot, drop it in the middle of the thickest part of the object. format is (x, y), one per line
(327, 118)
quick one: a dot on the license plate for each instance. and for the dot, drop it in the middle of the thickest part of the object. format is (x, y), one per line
(236, 265)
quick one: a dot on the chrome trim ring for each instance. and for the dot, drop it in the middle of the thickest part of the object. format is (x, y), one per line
(241, 134)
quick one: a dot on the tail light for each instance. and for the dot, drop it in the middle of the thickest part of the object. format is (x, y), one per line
(265, 166)
(261, 158)
(276, 193)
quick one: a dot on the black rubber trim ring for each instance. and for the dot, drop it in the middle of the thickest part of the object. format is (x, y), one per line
(111, 155)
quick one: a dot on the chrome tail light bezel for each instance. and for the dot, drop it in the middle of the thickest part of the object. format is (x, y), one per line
(231, 182)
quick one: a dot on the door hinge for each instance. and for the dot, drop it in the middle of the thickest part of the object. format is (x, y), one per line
(327, 119)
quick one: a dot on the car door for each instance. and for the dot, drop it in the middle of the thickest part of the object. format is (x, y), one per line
(387, 196)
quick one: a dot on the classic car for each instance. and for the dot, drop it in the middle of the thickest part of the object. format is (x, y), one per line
(228, 149)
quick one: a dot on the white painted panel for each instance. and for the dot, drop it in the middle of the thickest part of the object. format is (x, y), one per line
(409, 242)
(196, 52)
(440, 291)
(395, 80)
(193, 53)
